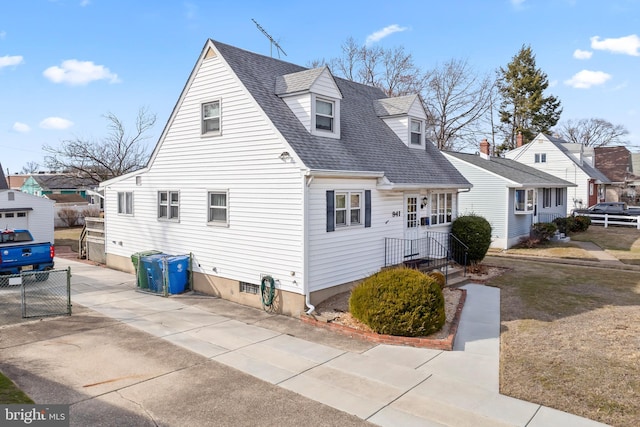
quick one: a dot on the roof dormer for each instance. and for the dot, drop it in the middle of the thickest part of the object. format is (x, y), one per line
(406, 116)
(314, 98)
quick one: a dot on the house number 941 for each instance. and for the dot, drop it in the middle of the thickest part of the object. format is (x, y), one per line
(396, 213)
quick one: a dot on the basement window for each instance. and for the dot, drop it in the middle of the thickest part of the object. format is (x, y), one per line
(249, 288)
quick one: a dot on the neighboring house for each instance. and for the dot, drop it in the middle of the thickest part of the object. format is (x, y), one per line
(616, 163)
(269, 168)
(44, 184)
(510, 195)
(24, 211)
(16, 181)
(568, 161)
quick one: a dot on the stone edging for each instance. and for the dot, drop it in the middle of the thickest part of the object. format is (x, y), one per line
(437, 344)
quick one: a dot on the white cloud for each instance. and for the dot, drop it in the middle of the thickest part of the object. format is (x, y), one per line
(3, 34)
(586, 78)
(21, 127)
(84, 3)
(56, 123)
(582, 54)
(628, 45)
(386, 31)
(74, 72)
(517, 3)
(7, 61)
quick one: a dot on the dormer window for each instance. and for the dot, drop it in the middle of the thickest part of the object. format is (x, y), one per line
(416, 132)
(324, 115)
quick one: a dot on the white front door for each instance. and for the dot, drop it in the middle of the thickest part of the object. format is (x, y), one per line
(411, 225)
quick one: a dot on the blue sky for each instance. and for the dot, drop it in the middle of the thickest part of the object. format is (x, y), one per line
(66, 63)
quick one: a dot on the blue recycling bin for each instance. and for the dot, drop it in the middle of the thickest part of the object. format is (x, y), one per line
(153, 269)
(177, 272)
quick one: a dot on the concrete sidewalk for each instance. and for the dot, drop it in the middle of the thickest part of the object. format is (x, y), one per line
(192, 342)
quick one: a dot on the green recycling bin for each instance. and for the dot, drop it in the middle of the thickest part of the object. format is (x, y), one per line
(141, 273)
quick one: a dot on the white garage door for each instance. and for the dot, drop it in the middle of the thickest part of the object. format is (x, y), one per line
(14, 220)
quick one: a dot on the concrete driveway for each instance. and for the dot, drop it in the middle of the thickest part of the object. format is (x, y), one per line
(126, 358)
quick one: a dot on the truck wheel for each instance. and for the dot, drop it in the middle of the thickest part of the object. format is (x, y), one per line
(41, 277)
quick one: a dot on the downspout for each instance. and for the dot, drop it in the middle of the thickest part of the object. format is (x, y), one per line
(305, 245)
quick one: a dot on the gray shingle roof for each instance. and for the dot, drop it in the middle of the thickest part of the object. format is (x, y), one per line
(367, 144)
(394, 106)
(513, 171)
(297, 82)
(62, 182)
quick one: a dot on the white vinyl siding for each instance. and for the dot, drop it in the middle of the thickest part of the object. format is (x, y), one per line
(349, 253)
(264, 234)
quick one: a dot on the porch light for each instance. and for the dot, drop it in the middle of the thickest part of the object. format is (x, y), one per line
(284, 156)
(425, 202)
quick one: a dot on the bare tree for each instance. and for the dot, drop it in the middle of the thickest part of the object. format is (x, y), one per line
(458, 100)
(30, 167)
(593, 132)
(391, 70)
(116, 154)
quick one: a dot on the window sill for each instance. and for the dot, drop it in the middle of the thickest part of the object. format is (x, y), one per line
(169, 219)
(218, 224)
(210, 134)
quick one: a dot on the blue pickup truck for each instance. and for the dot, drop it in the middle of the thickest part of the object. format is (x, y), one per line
(19, 253)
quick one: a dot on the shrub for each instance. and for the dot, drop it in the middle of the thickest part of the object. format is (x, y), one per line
(92, 212)
(565, 224)
(543, 230)
(439, 277)
(69, 216)
(399, 301)
(475, 232)
(581, 223)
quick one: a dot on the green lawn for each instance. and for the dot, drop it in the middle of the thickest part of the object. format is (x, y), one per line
(10, 394)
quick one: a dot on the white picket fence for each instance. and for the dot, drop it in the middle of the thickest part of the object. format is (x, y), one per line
(608, 219)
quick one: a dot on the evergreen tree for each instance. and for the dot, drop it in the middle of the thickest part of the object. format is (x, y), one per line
(524, 108)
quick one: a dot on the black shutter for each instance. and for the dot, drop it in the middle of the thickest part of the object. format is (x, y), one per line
(331, 223)
(367, 208)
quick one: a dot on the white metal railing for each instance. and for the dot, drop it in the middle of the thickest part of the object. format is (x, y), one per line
(608, 219)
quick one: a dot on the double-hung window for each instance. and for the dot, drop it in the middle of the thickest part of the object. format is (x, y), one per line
(324, 115)
(211, 118)
(416, 132)
(218, 207)
(540, 158)
(524, 201)
(559, 196)
(546, 197)
(125, 203)
(348, 209)
(441, 208)
(168, 205)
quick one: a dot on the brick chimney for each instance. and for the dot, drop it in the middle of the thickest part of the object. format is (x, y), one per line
(519, 140)
(484, 149)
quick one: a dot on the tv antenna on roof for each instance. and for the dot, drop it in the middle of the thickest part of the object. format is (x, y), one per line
(271, 40)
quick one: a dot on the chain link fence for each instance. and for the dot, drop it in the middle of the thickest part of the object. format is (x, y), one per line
(34, 294)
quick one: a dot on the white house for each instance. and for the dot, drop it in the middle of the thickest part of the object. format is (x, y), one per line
(24, 211)
(510, 195)
(568, 161)
(269, 168)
